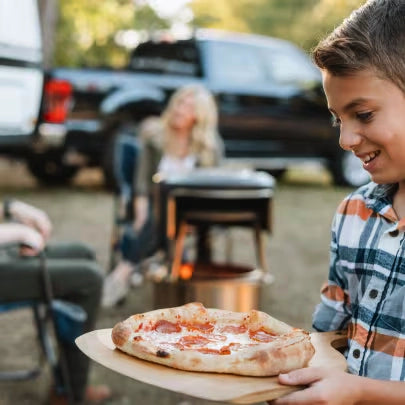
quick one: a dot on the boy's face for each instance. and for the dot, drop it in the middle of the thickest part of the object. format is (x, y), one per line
(371, 115)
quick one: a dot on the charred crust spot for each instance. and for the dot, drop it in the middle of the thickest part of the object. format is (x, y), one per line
(162, 353)
(260, 357)
(195, 362)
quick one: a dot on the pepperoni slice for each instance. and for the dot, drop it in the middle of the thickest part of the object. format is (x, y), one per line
(163, 326)
(261, 335)
(193, 340)
(139, 327)
(222, 351)
(234, 329)
(200, 327)
(217, 338)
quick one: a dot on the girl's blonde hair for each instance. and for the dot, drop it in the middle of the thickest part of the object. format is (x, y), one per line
(204, 137)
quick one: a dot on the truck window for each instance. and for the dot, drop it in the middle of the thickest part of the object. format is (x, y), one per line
(236, 62)
(177, 58)
(289, 66)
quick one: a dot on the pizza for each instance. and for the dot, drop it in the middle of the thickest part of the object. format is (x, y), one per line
(194, 338)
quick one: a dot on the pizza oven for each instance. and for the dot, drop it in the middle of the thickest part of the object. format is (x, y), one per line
(203, 199)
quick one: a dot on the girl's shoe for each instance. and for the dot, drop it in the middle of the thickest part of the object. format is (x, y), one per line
(115, 289)
(136, 279)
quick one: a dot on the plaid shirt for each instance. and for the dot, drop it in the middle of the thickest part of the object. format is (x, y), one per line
(366, 288)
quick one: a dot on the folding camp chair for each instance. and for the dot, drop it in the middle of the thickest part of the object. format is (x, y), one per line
(65, 320)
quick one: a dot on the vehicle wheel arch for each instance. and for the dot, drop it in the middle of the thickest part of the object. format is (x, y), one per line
(347, 170)
(123, 100)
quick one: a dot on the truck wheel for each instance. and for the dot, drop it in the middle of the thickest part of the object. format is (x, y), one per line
(49, 169)
(347, 170)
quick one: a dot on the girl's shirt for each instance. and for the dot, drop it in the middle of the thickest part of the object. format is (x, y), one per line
(152, 156)
(172, 165)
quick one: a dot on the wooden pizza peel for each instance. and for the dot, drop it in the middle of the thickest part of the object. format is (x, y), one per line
(210, 386)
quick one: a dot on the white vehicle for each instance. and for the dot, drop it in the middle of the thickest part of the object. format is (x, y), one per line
(21, 74)
(32, 109)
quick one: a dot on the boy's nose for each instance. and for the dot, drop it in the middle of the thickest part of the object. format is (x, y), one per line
(349, 139)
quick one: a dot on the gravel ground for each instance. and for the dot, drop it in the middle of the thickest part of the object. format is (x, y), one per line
(297, 253)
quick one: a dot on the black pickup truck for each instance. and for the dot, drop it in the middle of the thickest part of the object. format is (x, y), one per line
(272, 110)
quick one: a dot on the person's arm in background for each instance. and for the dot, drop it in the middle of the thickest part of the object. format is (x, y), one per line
(219, 150)
(145, 169)
(31, 226)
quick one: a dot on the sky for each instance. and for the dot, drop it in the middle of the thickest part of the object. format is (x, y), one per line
(168, 8)
(173, 10)
(176, 11)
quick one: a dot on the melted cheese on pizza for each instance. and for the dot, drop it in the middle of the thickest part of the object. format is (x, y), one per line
(207, 338)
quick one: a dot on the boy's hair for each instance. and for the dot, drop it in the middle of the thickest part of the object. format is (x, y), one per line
(372, 37)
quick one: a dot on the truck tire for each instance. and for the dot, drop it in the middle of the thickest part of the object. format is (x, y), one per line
(347, 170)
(49, 169)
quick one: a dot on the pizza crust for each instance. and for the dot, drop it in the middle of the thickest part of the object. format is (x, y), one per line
(290, 349)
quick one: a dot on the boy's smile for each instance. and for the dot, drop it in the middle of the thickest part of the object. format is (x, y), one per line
(371, 114)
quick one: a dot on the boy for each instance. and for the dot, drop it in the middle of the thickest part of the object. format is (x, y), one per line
(363, 68)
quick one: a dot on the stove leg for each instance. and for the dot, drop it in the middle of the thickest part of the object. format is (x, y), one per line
(260, 249)
(178, 251)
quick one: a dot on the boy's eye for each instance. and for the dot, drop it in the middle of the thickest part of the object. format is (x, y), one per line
(364, 116)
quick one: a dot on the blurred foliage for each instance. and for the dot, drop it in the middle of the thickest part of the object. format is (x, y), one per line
(86, 31)
(315, 24)
(303, 22)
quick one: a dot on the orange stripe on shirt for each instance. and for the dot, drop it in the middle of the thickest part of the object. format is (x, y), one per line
(355, 207)
(357, 333)
(378, 342)
(335, 293)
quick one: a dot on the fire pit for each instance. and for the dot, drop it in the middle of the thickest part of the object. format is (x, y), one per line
(210, 198)
(231, 287)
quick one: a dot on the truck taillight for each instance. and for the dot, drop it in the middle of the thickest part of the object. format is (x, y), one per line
(57, 100)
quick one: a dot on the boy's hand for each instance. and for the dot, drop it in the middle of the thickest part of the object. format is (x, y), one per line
(332, 387)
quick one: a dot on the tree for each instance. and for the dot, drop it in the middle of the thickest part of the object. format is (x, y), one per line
(315, 23)
(86, 34)
(302, 22)
(267, 17)
(48, 13)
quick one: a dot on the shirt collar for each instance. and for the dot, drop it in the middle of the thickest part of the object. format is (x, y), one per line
(379, 197)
